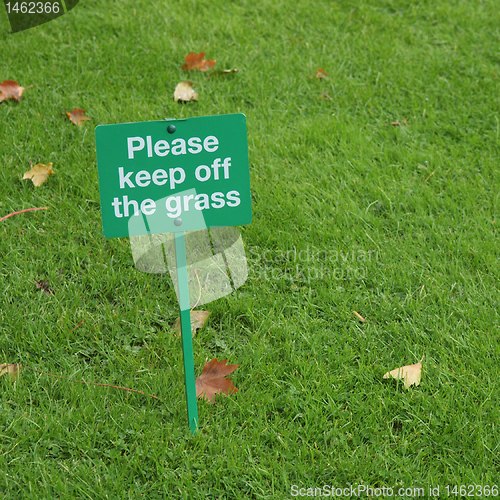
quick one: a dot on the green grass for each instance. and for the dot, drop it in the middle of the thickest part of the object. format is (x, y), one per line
(351, 213)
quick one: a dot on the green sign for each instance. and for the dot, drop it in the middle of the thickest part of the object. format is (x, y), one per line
(173, 175)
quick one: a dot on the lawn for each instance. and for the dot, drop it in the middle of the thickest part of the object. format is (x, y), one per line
(375, 189)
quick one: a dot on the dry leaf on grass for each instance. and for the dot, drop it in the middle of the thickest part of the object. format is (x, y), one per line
(77, 116)
(9, 89)
(39, 173)
(184, 92)
(409, 374)
(195, 61)
(198, 320)
(320, 73)
(43, 285)
(212, 380)
(13, 370)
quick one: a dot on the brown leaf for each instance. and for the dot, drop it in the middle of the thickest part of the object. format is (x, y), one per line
(184, 92)
(39, 173)
(320, 73)
(77, 116)
(13, 370)
(198, 320)
(410, 374)
(212, 381)
(195, 61)
(11, 90)
(42, 284)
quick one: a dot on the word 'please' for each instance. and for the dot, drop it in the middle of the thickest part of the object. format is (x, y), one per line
(178, 146)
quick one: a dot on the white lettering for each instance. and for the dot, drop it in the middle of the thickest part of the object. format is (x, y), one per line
(116, 204)
(187, 197)
(148, 207)
(124, 179)
(194, 144)
(218, 200)
(173, 212)
(198, 176)
(143, 178)
(201, 202)
(162, 148)
(132, 148)
(233, 199)
(211, 144)
(160, 177)
(173, 180)
(126, 205)
(226, 165)
(215, 166)
(179, 147)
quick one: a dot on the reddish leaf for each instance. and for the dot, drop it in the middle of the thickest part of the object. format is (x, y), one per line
(10, 90)
(77, 116)
(320, 73)
(195, 61)
(212, 381)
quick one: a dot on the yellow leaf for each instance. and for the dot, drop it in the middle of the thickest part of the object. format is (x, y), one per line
(13, 370)
(39, 173)
(184, 92)
(409, 374)
(198, 320)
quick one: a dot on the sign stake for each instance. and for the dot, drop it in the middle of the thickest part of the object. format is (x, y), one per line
(187, 339)
(191, 174)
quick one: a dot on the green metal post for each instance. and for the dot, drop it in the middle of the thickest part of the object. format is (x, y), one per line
(187, 340)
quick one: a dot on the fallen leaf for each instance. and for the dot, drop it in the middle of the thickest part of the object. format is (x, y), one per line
(212, 381)
(42, 284)
(11, 90)
(39, 173)
(325, 96)
(198, 320)
(77, 116)
(13, 370)
(320, 73)
(195, 61)
(184, 92)
(410, 374)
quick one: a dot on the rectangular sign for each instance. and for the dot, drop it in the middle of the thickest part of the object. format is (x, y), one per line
(173, 175)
